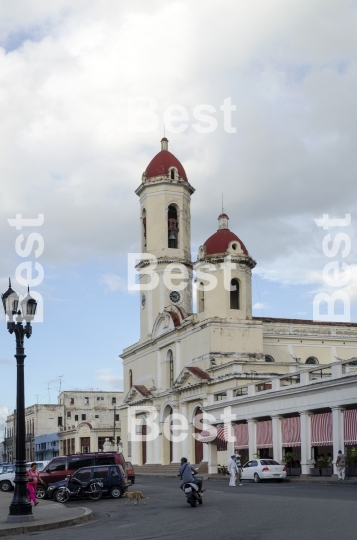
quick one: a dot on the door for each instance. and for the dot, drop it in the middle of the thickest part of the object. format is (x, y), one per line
(85, 445)
(143, 442)
(198, 444)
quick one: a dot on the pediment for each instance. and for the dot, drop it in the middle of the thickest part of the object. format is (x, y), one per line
(137, 393)
(168, 320)
(192, 375)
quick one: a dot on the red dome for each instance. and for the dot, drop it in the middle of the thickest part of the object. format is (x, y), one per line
(218, 242)
(161, 163)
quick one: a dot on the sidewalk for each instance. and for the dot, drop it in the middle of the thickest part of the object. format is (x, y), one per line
(48, 515)
(317, 480)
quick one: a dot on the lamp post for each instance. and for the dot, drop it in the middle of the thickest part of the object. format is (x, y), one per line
(20, 506)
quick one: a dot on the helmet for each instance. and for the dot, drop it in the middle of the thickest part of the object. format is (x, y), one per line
(184, 460)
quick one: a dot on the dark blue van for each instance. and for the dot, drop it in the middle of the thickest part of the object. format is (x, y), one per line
(113, 479)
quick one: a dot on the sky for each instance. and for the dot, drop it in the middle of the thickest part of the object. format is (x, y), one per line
(72, 149)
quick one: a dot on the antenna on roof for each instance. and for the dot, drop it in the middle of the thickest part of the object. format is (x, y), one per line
(222, 205)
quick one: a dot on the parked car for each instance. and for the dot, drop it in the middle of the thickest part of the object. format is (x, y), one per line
(263, 469)
(6, 467)
(130, 472)
(59, 467)
(7, 479)
(113, 478)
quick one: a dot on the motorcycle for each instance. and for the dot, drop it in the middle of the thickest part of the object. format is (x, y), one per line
(74, 488)
(192, 492)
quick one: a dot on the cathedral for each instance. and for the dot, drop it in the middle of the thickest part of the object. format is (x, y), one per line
(193, 363)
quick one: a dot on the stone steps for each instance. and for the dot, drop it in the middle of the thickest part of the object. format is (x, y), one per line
(170, 469)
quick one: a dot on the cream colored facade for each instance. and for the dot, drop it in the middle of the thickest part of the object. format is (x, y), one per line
(40, 419)
(87, 419)
(186, 361)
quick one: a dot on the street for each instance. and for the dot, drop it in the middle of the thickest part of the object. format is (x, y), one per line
(266, 511)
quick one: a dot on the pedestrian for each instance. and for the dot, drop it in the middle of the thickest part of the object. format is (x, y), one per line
(239, 469)
(329, 460)
(32, 479)
(232, 469)
(341, 465)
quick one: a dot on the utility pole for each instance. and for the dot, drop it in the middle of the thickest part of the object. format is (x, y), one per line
(48, 390)
(60, 378)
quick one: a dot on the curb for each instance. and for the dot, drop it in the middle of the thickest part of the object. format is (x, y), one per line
(38, 527)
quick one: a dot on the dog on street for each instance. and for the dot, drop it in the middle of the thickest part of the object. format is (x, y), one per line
(134, 496)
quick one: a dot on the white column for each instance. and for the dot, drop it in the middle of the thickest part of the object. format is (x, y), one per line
(337, 432)
(184, 443)
(157, 441)
(158, 369)
(230, 444)
(277, 442)
(252, 433)
(175, 446)
(212, 458)
(305, 431)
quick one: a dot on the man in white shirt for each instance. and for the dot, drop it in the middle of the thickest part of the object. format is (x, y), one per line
(232, 469)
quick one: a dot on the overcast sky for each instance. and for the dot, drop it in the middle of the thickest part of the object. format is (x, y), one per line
(68, 71)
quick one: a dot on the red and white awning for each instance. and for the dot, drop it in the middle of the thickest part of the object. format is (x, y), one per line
(321, 429)
(264, 434)
(241, 436)
(290, 431)
(208, 435)
(350, 426)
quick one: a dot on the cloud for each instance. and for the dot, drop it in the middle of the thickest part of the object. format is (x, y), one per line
(67, 71)
(110, 380)
(260, 305)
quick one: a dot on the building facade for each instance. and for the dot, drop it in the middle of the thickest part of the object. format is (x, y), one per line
(46, 446)
(185, 362)
(87, 418)
(40, 420)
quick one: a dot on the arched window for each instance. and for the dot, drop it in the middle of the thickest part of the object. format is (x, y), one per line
(201, 298)
(144, 228)
(234, 294)
(172, 227)
(170, 368)
(312, 361)
(172, 174)
(130, 378)
(269, 358)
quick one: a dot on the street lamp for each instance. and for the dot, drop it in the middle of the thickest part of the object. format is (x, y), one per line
(20, 506)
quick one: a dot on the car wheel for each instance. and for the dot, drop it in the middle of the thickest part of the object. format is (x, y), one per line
(6, 485)
(256, 478)
(41, 492)
(132, 480)
(116, 492)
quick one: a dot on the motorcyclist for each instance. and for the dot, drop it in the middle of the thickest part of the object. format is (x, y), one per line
(187, 472)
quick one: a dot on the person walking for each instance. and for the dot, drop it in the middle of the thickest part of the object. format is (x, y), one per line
(239, 469)
(32, 480)
(341, 465)
(232, 469)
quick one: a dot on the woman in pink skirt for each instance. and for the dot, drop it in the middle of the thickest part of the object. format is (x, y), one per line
(32, 479)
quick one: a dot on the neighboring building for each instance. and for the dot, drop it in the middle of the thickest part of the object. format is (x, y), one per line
(87, 419)
(46, 446)
(39, 420)
(185, 362)
(2, 452)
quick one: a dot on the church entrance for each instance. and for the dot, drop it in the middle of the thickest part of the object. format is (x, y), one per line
(143, 442)
(198, 444)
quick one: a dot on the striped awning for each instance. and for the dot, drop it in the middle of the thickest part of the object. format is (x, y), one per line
(264, 434)
(321, 429)
(215, 434)
(208, 435)
(241, 436)
(350, 426)
(290, 431)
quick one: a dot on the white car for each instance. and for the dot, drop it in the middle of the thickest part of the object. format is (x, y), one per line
(7, 479)
(263, 469)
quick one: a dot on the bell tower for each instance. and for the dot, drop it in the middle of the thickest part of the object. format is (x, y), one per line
(165, 273)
